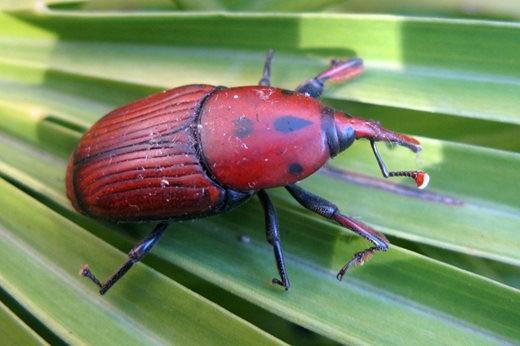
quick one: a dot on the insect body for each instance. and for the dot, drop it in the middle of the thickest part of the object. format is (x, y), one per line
(200, 150)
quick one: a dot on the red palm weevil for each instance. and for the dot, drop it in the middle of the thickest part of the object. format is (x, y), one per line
(200, 150)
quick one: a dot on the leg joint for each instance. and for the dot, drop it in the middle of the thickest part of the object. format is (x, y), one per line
(135, 255)
(382, 246)
(330, 211)
(273, 238)
(312, 202)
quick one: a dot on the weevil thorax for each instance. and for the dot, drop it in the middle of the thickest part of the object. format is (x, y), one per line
(258, 137)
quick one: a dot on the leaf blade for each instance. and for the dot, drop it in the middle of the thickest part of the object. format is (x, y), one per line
(40, 271)
(420, 56)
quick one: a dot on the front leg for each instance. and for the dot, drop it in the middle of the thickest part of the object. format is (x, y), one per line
(331, 211)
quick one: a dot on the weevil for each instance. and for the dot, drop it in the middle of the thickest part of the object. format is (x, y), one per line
(200, 150)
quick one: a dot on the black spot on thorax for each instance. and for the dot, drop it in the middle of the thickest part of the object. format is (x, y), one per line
(295, 168)
(243, 127)
(290, 123)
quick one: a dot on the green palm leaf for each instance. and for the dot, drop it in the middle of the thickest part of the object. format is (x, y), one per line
(60, 71)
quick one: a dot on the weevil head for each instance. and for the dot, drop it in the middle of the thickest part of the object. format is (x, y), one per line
(349, 128)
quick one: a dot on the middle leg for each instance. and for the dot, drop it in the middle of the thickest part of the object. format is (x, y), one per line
(273, 238)
(266, 75)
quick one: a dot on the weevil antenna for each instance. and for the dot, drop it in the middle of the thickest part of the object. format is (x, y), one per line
(421, 178)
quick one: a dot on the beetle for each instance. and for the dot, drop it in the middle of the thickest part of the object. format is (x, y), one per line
(200, 150)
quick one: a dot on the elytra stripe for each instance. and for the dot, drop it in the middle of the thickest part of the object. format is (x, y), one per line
(141, 132)
(97, 177)
(175, 180)
(126, 149)
(120, 120)
(154, 189)
(141, 104)
(141, 169)
(105, 164)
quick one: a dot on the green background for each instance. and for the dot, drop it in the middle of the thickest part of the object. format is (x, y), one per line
(443, 71)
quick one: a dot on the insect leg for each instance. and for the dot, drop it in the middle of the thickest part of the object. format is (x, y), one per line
(266, 76)
(339, 71)
(273, 238)
(135, 255)
(331, 211)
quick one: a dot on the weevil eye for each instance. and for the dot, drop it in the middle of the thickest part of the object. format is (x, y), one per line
(341, 134)
(346, 136)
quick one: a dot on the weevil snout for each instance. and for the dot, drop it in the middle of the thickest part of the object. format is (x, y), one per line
(354, 128)
(374, 132)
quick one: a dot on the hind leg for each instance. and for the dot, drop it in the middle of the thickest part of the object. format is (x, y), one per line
(135, 255)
